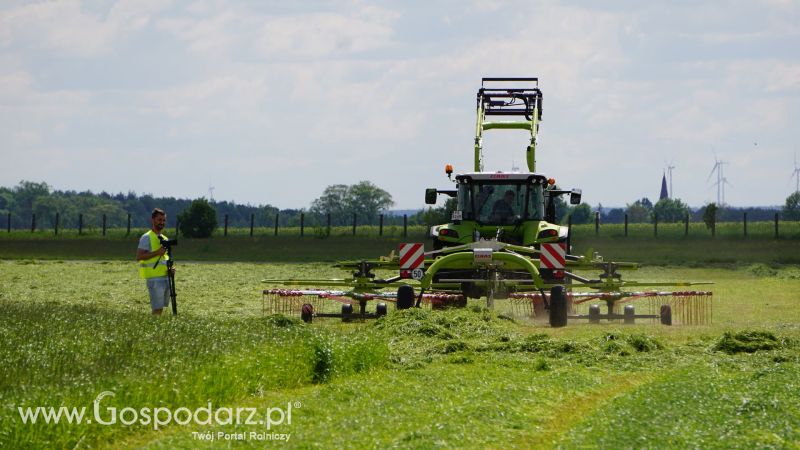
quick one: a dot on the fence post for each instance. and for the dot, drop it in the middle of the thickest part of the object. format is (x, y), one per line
(776, 225)
(104, 224)
(405, 225)
(744, 221)
(597, 223)
(56, 227)
(177, 227)
(302, 223)
(655, 224)
(380, 227)
(9, 223)
(33, 223)
(329, 224)
(276, 223)
(354, 224)
(80, 224)
(626, 224)
(129, 225)
(686, 226)
(225, 233)
(252, 223)
(714, 224)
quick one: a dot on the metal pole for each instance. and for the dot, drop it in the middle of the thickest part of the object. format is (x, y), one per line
(104, 224)
(380, 227)
(129, 225)
(80, 224)
(225, 233)
(33, 223)
(354, 224)
(9, 223)
(329, 224)
(56, 227)
(276, 223)
(405, 225)
(177, 227)
(302, 223)
(252, 223)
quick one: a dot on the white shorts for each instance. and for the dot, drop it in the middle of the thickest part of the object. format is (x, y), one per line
(158, 288)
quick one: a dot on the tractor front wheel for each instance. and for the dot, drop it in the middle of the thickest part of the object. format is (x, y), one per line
(558, 307)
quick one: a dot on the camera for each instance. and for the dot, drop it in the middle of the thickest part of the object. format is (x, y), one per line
(168, 243)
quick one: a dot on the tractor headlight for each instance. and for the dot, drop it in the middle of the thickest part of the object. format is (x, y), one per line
(446, 232)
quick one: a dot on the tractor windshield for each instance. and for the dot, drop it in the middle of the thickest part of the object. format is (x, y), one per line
(500, 203)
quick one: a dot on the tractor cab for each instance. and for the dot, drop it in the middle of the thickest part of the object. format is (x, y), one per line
(517, 208)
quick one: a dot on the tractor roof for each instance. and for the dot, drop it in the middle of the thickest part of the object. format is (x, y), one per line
(502, 176)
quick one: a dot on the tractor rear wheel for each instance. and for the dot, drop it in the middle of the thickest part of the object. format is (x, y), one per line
(380, 309)
(558, 307)
(307, 313)
(666, 315)
(405, 297)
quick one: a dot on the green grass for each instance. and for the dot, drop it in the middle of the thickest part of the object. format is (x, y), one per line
(455, 379)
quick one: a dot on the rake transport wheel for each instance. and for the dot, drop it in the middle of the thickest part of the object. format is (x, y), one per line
(594, 313)
(380, 309)
(347, 309)
(666, 315)
(558, 307)
(629, 312)
(307, 312)
(405, 297)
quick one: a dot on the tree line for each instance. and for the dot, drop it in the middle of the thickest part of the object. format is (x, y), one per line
(338, 203)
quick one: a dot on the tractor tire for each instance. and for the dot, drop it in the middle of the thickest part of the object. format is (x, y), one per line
(307, 313)
(629, 312)
(594, 313)
(380, 309)
(558, 307)
(405, 297)
(666, 315)
(347, 309)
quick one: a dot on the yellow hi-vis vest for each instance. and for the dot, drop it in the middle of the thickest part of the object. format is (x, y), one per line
(146, 269)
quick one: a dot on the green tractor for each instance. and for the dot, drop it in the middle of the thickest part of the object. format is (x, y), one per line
(517, 208)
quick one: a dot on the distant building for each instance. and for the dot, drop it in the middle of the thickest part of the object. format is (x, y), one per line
(664, 193)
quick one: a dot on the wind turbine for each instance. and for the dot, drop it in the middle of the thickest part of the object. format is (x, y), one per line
(721, 180)
(796, 175)
(669, 173)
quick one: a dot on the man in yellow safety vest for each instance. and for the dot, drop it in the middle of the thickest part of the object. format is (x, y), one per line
(152, 259)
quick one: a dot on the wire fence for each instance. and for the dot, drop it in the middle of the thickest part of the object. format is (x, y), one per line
(399, 226)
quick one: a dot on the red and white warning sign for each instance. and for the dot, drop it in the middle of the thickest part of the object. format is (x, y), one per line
(412, 257)
(553, 256)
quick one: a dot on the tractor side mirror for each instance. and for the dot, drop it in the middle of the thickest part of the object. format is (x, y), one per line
(430, 196)
(575, 197)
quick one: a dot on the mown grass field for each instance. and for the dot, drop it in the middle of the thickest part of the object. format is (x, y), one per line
(415, 379)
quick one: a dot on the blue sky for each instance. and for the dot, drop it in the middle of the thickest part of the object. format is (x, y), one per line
(270, 102)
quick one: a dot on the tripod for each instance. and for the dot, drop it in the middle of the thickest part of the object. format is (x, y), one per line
(170, 274)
